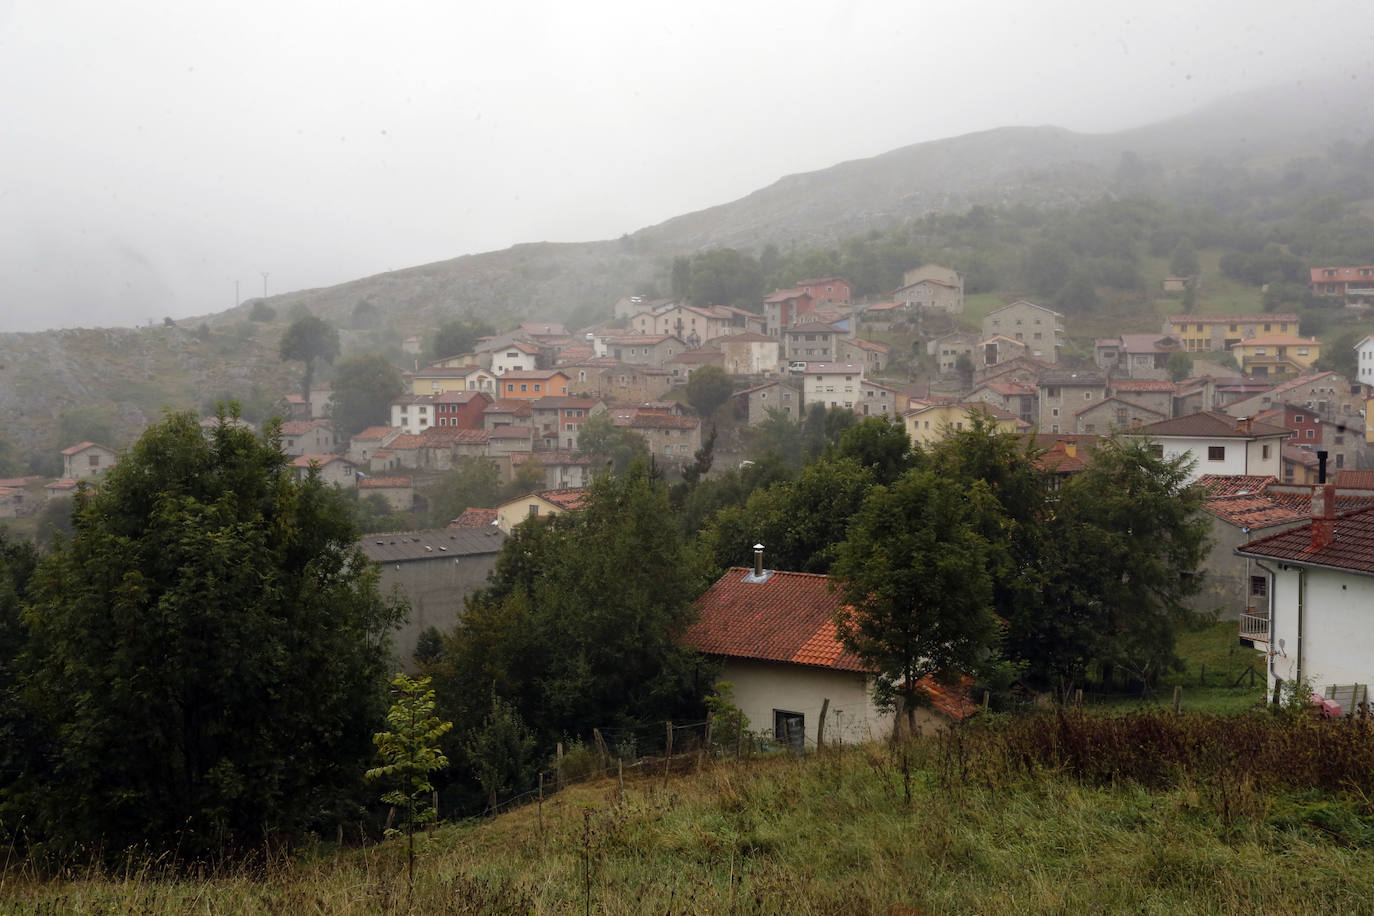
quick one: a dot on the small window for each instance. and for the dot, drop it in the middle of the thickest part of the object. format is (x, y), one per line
(94, 460)
(1264, 452)
(1216, 453)
(1157, 450)
(1259, 586)
(534, 509)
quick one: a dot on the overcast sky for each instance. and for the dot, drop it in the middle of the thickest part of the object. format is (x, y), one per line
(155, 152)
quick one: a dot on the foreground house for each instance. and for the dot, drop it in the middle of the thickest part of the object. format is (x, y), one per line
(775, 634)
(1320, 589)
(538, 505)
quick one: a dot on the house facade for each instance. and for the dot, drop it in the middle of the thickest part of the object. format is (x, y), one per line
(1320, 589)
(784, 308)
(810, 342)
(827, 292)
(1216, 443)
(1344, 282)
(530, 384)
(87, 459)
(307, 437)
(831, 384)
(783, 396)
(932, 288)
(1041, 328)
(750, 354)
(1207, 333)
(1062, 394)
(1276, 355)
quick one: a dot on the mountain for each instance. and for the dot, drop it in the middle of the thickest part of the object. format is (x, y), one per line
(41, 374)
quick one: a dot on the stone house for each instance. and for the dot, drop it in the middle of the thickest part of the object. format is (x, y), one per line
(831, 384)
(753, 404)
(87, 459)
(333, 469)
(750, 354)
(1063, 394)
(1041, 328)
(1111, 414)
(399, 492)
(932, 288)
(872, 355)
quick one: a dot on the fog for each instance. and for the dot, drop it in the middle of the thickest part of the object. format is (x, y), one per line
(171, 159)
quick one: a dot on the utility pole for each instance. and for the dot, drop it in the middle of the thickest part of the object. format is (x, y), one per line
(264, 284)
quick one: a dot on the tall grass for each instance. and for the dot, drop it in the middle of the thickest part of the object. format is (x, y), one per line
(1139, 813)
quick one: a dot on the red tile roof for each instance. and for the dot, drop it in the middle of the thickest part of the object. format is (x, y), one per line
(1234, 484)
(1351, 548)
(786, 618)
(474, 518)
(82, 446)
(301, 427)
(1354, 480)
(571, 498)
(374, 432)
(789, 618)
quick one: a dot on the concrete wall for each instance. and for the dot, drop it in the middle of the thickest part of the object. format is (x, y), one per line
(435, 588)
(1338, 641)
(762, 687)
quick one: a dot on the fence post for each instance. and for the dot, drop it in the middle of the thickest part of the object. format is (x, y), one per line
(602, 751)
(541, 807)
(987, 701)
(820, 725)
(434, 803)
(620, 776)
(1202, 678)
(559, 774)
(1078, 698)
(739, 736)
(667, 754)
(1178, 697)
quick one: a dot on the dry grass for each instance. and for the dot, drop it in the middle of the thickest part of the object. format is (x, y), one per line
(824, 834)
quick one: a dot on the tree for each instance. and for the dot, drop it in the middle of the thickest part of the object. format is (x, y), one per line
(1180, 365)
(363, 389)
(261, 311)
(601, 439)
(307, 339)
(1183, 262)
(85, 424)
(709, 388)
(207, 653)
(879, 444)
(473, 482)
(455, 338)
(501, 752)
(918, 596)
(410, 753)
(582, 623)
(724, 276)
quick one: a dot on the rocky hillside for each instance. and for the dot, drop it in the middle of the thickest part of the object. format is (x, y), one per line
(131, 374)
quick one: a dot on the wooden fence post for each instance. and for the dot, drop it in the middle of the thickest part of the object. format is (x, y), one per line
(1178, 697)
(559, 774)
(739, 736)
(820, 725)
(987, 701)
(667, 755)
(602, 751)
(620, 776)
(541, 806)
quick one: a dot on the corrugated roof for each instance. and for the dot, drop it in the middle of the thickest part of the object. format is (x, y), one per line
(432, 544)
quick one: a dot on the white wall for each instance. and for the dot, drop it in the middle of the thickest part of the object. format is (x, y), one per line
(1338, 627)
(761, 687)
(1242, 456)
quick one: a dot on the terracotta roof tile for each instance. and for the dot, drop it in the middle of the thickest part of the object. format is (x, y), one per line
(1348, 479)
(1235, 484)
(785, 618)
(474, 518)
(1351, 548)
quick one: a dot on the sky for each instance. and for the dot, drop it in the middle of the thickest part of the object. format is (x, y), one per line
(163, 158)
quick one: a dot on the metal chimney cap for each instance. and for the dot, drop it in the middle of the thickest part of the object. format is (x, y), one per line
(758, 546)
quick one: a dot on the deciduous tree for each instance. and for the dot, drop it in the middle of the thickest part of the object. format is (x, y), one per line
(363, 389)
(207, 653)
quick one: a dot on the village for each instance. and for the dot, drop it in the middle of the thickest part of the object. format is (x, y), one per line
(1279, 446)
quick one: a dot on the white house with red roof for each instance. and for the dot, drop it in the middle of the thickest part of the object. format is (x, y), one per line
(87, 459)
(1320, 594)
(774, 632)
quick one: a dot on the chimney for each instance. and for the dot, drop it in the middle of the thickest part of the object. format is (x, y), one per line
(1321, 466)
(1323, 515)
(758, 561)
(1243, 425)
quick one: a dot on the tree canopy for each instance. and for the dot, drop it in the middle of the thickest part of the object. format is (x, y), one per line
(707, 389)
(457, 337)
(205, 657)
(363, 389)
(309, 339)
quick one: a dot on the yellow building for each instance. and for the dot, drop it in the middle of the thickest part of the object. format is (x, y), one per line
(438, 379)
(1276, 355)
(930, 423)
(1204, 333)
(538, 505)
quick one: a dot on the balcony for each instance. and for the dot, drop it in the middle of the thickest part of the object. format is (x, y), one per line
(1254, 628)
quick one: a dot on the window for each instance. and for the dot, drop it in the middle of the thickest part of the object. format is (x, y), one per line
(1259, 586)
(1090, 428)
(1264, 452)
(534, 509)
(789, 728)
(524, 386)
(1311, 434)
(1216, 453)
(536, 386)
(1157, 450)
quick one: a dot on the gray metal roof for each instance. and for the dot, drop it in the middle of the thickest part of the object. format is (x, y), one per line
(399, 546)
